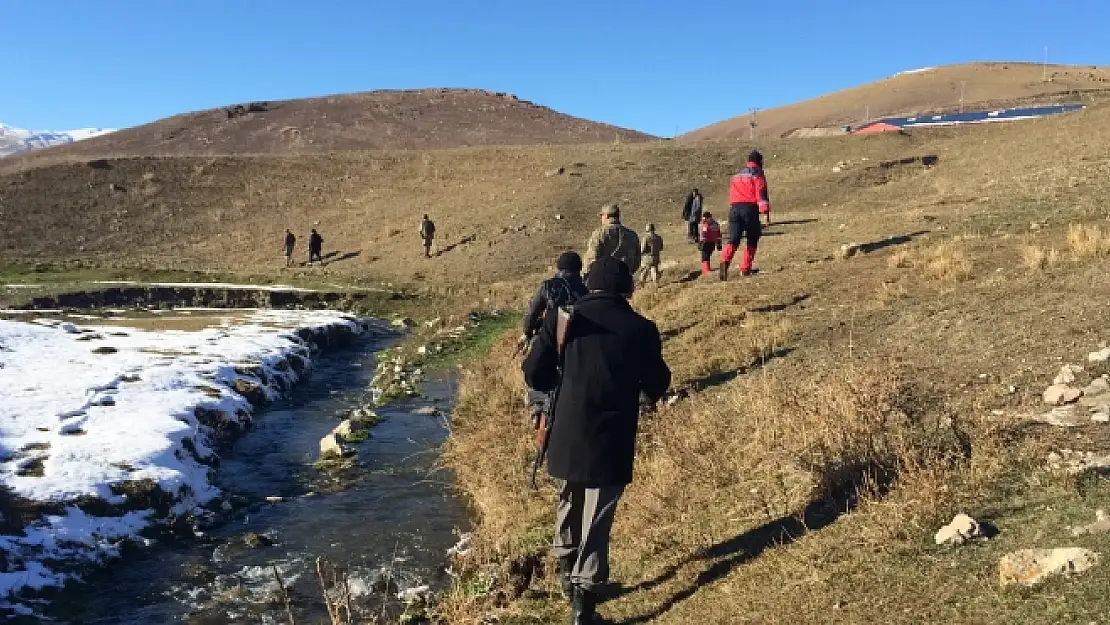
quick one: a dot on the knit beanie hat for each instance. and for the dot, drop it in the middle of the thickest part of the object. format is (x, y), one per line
(610, 275)
(569, 261)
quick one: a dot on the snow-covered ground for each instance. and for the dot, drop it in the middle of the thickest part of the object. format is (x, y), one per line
(16, 140)
(88, 409)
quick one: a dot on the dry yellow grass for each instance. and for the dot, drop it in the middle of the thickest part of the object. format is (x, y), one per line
(1039, 258)
(1088, 241)
(947, 263)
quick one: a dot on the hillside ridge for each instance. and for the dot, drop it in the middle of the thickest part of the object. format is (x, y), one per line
(393, 119)
(984, 85)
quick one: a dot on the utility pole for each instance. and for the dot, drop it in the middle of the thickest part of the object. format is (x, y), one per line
(752, 124)
(1044, 72)
(867, 114)
(963, 83)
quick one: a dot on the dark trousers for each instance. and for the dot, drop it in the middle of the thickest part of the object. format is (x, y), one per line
(743, 220)
(692, 230)
(583, 521)
(314, 255)
(706, 250)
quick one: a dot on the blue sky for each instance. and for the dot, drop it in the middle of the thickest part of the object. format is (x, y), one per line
(656, 66)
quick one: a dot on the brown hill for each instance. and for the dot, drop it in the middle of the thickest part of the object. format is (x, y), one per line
(376, 120)
(935, 90)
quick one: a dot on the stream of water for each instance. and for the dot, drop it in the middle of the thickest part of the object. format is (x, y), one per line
(389, 521)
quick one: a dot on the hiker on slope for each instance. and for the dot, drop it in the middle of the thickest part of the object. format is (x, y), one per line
(748, 199)
(653, 248)
(613, 240)
(691, 214)
(428, 234)
(290, 243)
(610, 355)
(709, 239)
(564, 289)
(315, 247)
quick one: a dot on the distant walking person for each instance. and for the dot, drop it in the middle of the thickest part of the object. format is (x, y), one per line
(691, 213)
(653, 248)
(748, 198)
(597, 360)
(315, 247)
(290, 243)
(428, 233)
(613, 240)
(709, 240)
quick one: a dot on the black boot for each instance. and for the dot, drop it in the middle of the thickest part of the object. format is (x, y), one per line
(566, 566)
(584, 604)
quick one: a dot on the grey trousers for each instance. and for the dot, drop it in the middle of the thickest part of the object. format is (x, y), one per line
(583, 520)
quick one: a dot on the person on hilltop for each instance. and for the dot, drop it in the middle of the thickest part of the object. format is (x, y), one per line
(613, 240)
(315, 247)
(290, 243)
(709, 237)
(691, 214)
(748, 199)
(564, 289)
(653, 248)
(597, 360)
(428, 233)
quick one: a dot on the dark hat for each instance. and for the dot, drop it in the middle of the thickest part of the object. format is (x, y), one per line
(756, 157)
(707, 215)
(569, 261)
(610, 275)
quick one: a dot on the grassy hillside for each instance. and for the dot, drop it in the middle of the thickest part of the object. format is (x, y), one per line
(376, 120)
(986, 86)
(836, 411)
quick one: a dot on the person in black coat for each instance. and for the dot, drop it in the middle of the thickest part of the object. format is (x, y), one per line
(565, 288)
(315, 247)
(612, 354)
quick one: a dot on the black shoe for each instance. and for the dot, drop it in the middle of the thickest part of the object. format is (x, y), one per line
(724, 272)
(585, 602)
(566, 565)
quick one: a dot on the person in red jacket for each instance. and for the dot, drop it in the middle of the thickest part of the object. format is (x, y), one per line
(748, 200)
(709, 239)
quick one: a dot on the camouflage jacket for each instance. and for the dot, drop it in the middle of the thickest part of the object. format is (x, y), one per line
(653, 246)
(613, 240)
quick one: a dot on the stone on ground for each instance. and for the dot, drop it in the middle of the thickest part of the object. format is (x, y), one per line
(1067, 416)
(1067, 375)
(347, 428)
(332, 446)
(962, 529)
(1060, 394)
(1074, 462)
(1029, 567)
(1098, 386)
(1100, 526)
(1101, 355)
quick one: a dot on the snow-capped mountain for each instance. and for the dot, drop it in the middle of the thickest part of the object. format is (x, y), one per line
(16, 140)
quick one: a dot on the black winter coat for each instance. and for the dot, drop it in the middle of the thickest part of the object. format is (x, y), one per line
(563, 289)
(612, 354)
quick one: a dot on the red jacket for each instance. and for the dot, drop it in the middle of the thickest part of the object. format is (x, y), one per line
(750, 187)
(710, 231)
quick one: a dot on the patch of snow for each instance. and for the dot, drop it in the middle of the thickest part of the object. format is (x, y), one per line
(915, 71)
(92, 419)
(16, 140)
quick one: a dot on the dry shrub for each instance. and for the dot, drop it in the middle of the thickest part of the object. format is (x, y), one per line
(901, 259)
(1088, 241)
(889, 292)
(769, 446)
(1037, 258)
(739, 340)
(947, 263)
